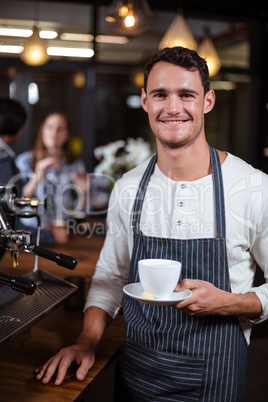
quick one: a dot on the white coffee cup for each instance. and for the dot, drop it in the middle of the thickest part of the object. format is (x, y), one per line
(159, 276)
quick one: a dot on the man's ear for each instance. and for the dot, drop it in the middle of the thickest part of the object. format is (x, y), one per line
(144, 100)
(209, 101)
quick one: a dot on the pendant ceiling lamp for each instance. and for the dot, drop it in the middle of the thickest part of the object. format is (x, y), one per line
(129, 17)
(35, 50)
(207, 51)
(178, 34)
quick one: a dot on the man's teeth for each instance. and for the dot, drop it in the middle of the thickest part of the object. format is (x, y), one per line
(175, 121)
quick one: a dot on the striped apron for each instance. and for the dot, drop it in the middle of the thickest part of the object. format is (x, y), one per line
(169, 355)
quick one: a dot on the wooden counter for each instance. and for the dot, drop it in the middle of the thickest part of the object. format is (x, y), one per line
(20, 357)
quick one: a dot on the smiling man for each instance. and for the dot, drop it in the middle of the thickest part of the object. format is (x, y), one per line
(191, 203)
(175, 103)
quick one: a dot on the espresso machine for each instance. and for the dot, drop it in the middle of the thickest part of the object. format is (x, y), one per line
(26, 299)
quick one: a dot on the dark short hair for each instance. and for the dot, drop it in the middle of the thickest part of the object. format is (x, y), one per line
(12, 116)
(181, 57)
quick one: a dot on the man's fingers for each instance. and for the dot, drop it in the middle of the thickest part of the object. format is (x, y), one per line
(187, 284)
(40, 371)
(86, 364)
(45, 372)
(61, 362)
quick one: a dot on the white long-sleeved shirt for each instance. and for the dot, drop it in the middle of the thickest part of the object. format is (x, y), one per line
(185, 210)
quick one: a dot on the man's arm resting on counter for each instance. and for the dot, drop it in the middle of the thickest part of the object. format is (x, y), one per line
(82, 352)
(206, 299)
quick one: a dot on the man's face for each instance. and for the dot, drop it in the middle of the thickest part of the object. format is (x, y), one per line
(176, 104)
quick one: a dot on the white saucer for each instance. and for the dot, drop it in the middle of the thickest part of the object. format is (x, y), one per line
(135, 290)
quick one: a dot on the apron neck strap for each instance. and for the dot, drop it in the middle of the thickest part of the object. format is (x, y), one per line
(141, 193)
(217, 191)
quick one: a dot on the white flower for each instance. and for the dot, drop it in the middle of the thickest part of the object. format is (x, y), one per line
(118, 157)
(105, 151)
(137, 151)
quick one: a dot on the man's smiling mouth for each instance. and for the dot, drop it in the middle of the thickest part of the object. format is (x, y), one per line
(174, 122)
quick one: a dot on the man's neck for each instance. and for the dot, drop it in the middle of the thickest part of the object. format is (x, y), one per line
(185, 163)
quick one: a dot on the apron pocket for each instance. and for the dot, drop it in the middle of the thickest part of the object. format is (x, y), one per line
(150, 375)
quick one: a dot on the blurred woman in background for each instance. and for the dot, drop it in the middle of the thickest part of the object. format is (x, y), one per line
(52, 168)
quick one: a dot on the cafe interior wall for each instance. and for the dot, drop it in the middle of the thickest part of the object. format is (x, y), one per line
(98, 108)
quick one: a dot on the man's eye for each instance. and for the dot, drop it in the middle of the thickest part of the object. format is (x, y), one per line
(187, 96)
(159, 95)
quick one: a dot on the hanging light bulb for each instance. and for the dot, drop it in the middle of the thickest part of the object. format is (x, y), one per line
(129, 17)
(207, 51)
(178, 34)
(35, 50)
(130, 20)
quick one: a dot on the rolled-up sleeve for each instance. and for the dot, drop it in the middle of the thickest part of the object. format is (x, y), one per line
(262, 293)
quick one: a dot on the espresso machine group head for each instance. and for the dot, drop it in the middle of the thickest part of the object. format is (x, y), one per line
(21, 240)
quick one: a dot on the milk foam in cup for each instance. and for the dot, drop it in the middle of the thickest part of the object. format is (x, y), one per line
(159, 276)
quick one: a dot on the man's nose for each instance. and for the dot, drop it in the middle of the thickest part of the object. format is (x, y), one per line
(174, 104)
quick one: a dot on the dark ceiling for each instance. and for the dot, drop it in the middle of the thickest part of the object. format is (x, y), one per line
(208, 8)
